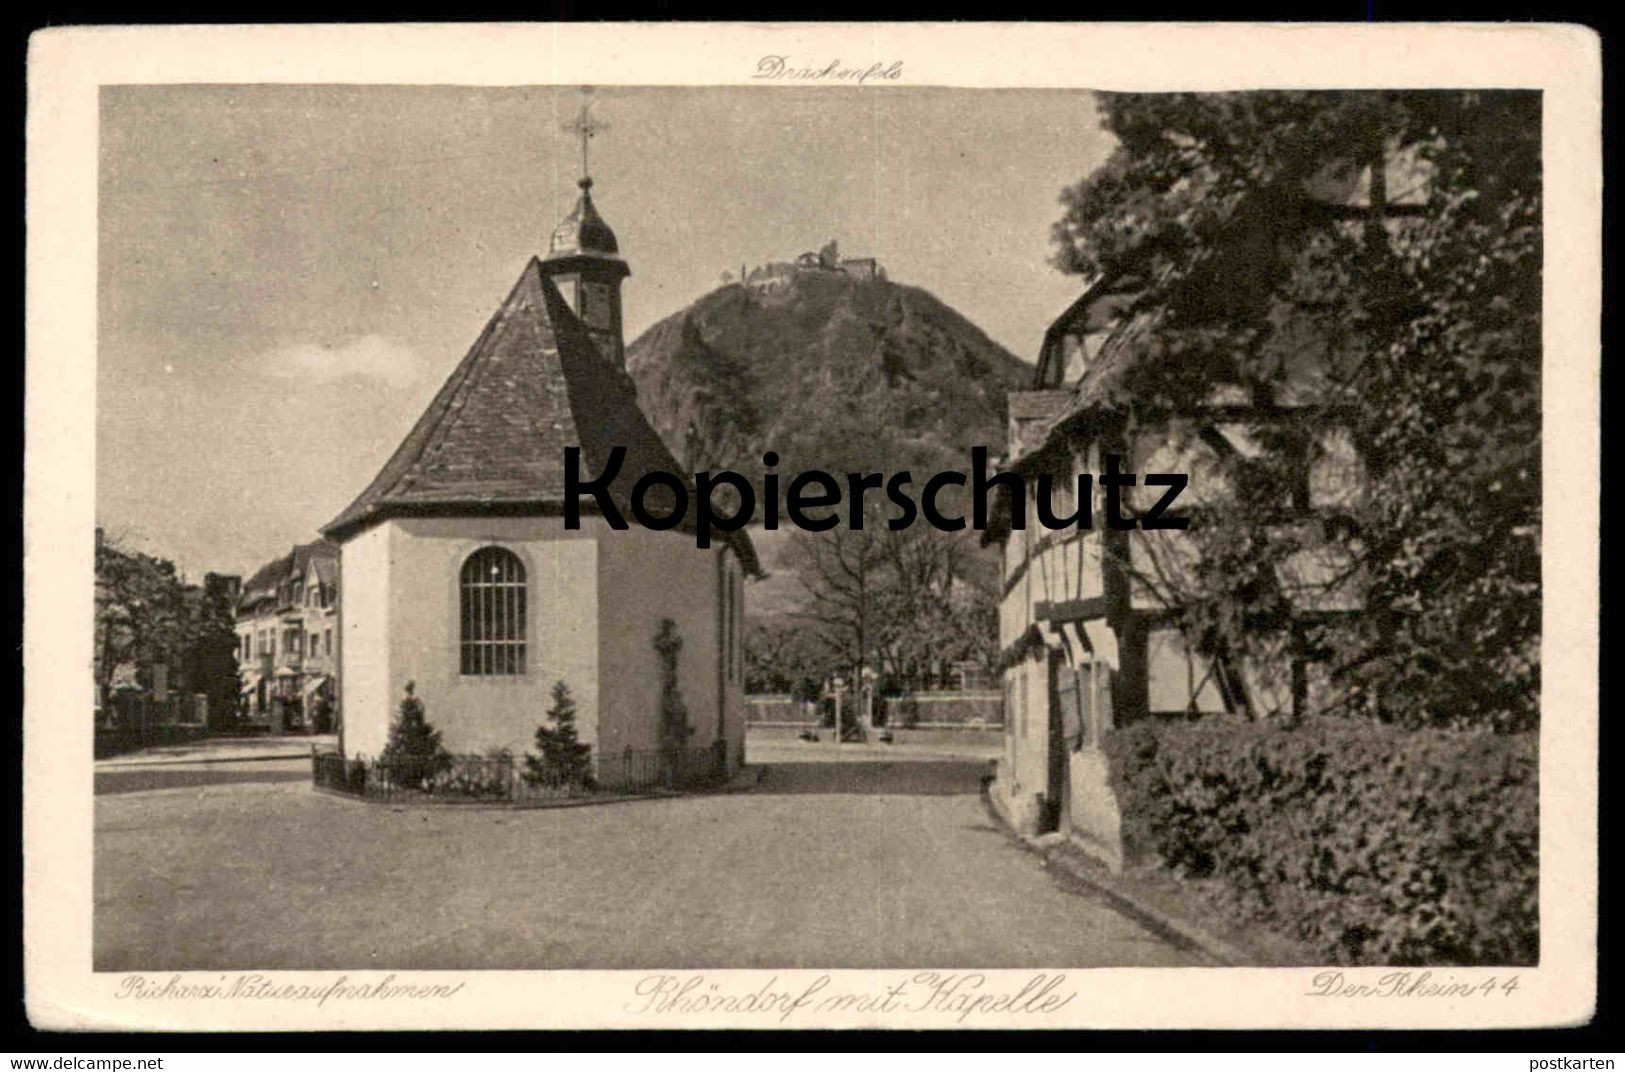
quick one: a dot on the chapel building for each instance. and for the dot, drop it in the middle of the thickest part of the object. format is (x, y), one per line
(459, 572)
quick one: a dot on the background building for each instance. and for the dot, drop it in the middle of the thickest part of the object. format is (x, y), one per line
(287, 642)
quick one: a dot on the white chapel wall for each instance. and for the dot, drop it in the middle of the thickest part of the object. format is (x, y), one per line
(476, 714)
(645, 576)
(366, 697)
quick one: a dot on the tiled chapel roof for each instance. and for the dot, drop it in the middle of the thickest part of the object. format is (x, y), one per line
(493, 438)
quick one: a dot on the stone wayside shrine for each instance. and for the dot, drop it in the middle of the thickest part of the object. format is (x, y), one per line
(459, 572)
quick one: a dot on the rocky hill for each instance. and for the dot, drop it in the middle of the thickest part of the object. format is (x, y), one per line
(828, 370)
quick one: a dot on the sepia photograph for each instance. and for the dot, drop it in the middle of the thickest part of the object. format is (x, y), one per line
(827, 545)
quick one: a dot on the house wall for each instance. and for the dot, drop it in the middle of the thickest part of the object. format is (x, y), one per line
(1093, 816)
(1043, 565)
(1068, 566)
(323, 622)
(1027, 728)
(265, 649)
(1179, 677)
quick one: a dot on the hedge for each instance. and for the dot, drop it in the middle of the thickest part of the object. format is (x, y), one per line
(1371, 845)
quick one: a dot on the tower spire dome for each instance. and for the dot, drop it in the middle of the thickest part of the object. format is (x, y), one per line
(583, 258)
(583, 232)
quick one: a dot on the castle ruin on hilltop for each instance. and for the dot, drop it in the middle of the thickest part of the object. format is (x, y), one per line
(779, 273)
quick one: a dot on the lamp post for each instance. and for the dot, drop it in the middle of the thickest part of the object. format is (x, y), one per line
(868, 677)
(838, 687)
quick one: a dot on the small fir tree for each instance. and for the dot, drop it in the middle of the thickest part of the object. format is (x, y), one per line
(564, 758)
(414, 753)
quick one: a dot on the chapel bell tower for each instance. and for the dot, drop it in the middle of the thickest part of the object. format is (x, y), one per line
(584, 259)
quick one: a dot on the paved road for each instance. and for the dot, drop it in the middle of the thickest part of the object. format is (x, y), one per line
(865, 862)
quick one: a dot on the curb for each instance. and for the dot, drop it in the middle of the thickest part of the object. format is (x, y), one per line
(1059, 854)
(749, 778)
(114, 764)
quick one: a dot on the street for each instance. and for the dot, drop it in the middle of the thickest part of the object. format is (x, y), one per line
(211, 761)
(872, 859)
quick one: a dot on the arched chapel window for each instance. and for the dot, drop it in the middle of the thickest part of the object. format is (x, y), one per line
(492, 590)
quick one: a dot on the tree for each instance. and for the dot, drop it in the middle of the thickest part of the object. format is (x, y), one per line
(1265, 249)
(944, 599)
(842, 573)
(142, 618)
(909, 601)
(413, 755)
(213, 644)
(783, 656)
(564, 760)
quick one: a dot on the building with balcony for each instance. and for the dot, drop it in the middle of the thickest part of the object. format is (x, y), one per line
(287, 642)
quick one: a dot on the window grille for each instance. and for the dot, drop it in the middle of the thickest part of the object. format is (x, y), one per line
(493, 613)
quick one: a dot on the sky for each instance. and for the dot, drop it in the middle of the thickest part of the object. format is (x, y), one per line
(287, 274)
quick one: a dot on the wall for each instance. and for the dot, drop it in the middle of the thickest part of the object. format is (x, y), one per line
(1042, 566)
(1028, 727)
(733, 693)
(366, 700)
(478, 714)
(1094, 817)
(1060, 565)
(1179, 677)
(595, 599)
(779, 708)
(643, 577)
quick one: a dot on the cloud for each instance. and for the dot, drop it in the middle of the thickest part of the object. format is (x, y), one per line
(368, 357)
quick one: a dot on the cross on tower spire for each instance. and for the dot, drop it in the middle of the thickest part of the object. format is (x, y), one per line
(584, 126)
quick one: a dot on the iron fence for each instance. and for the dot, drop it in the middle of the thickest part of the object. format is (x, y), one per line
(958, 709)
(504, 778)
(681, 768)
(329, 770)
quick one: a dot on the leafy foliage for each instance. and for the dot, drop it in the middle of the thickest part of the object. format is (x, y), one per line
(1375, 846)
(564, 759)
(783, 657)
(475, 778)
(1266, 241)
(413, 755)
(142, 616)
(146, 614)
(911, 603)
